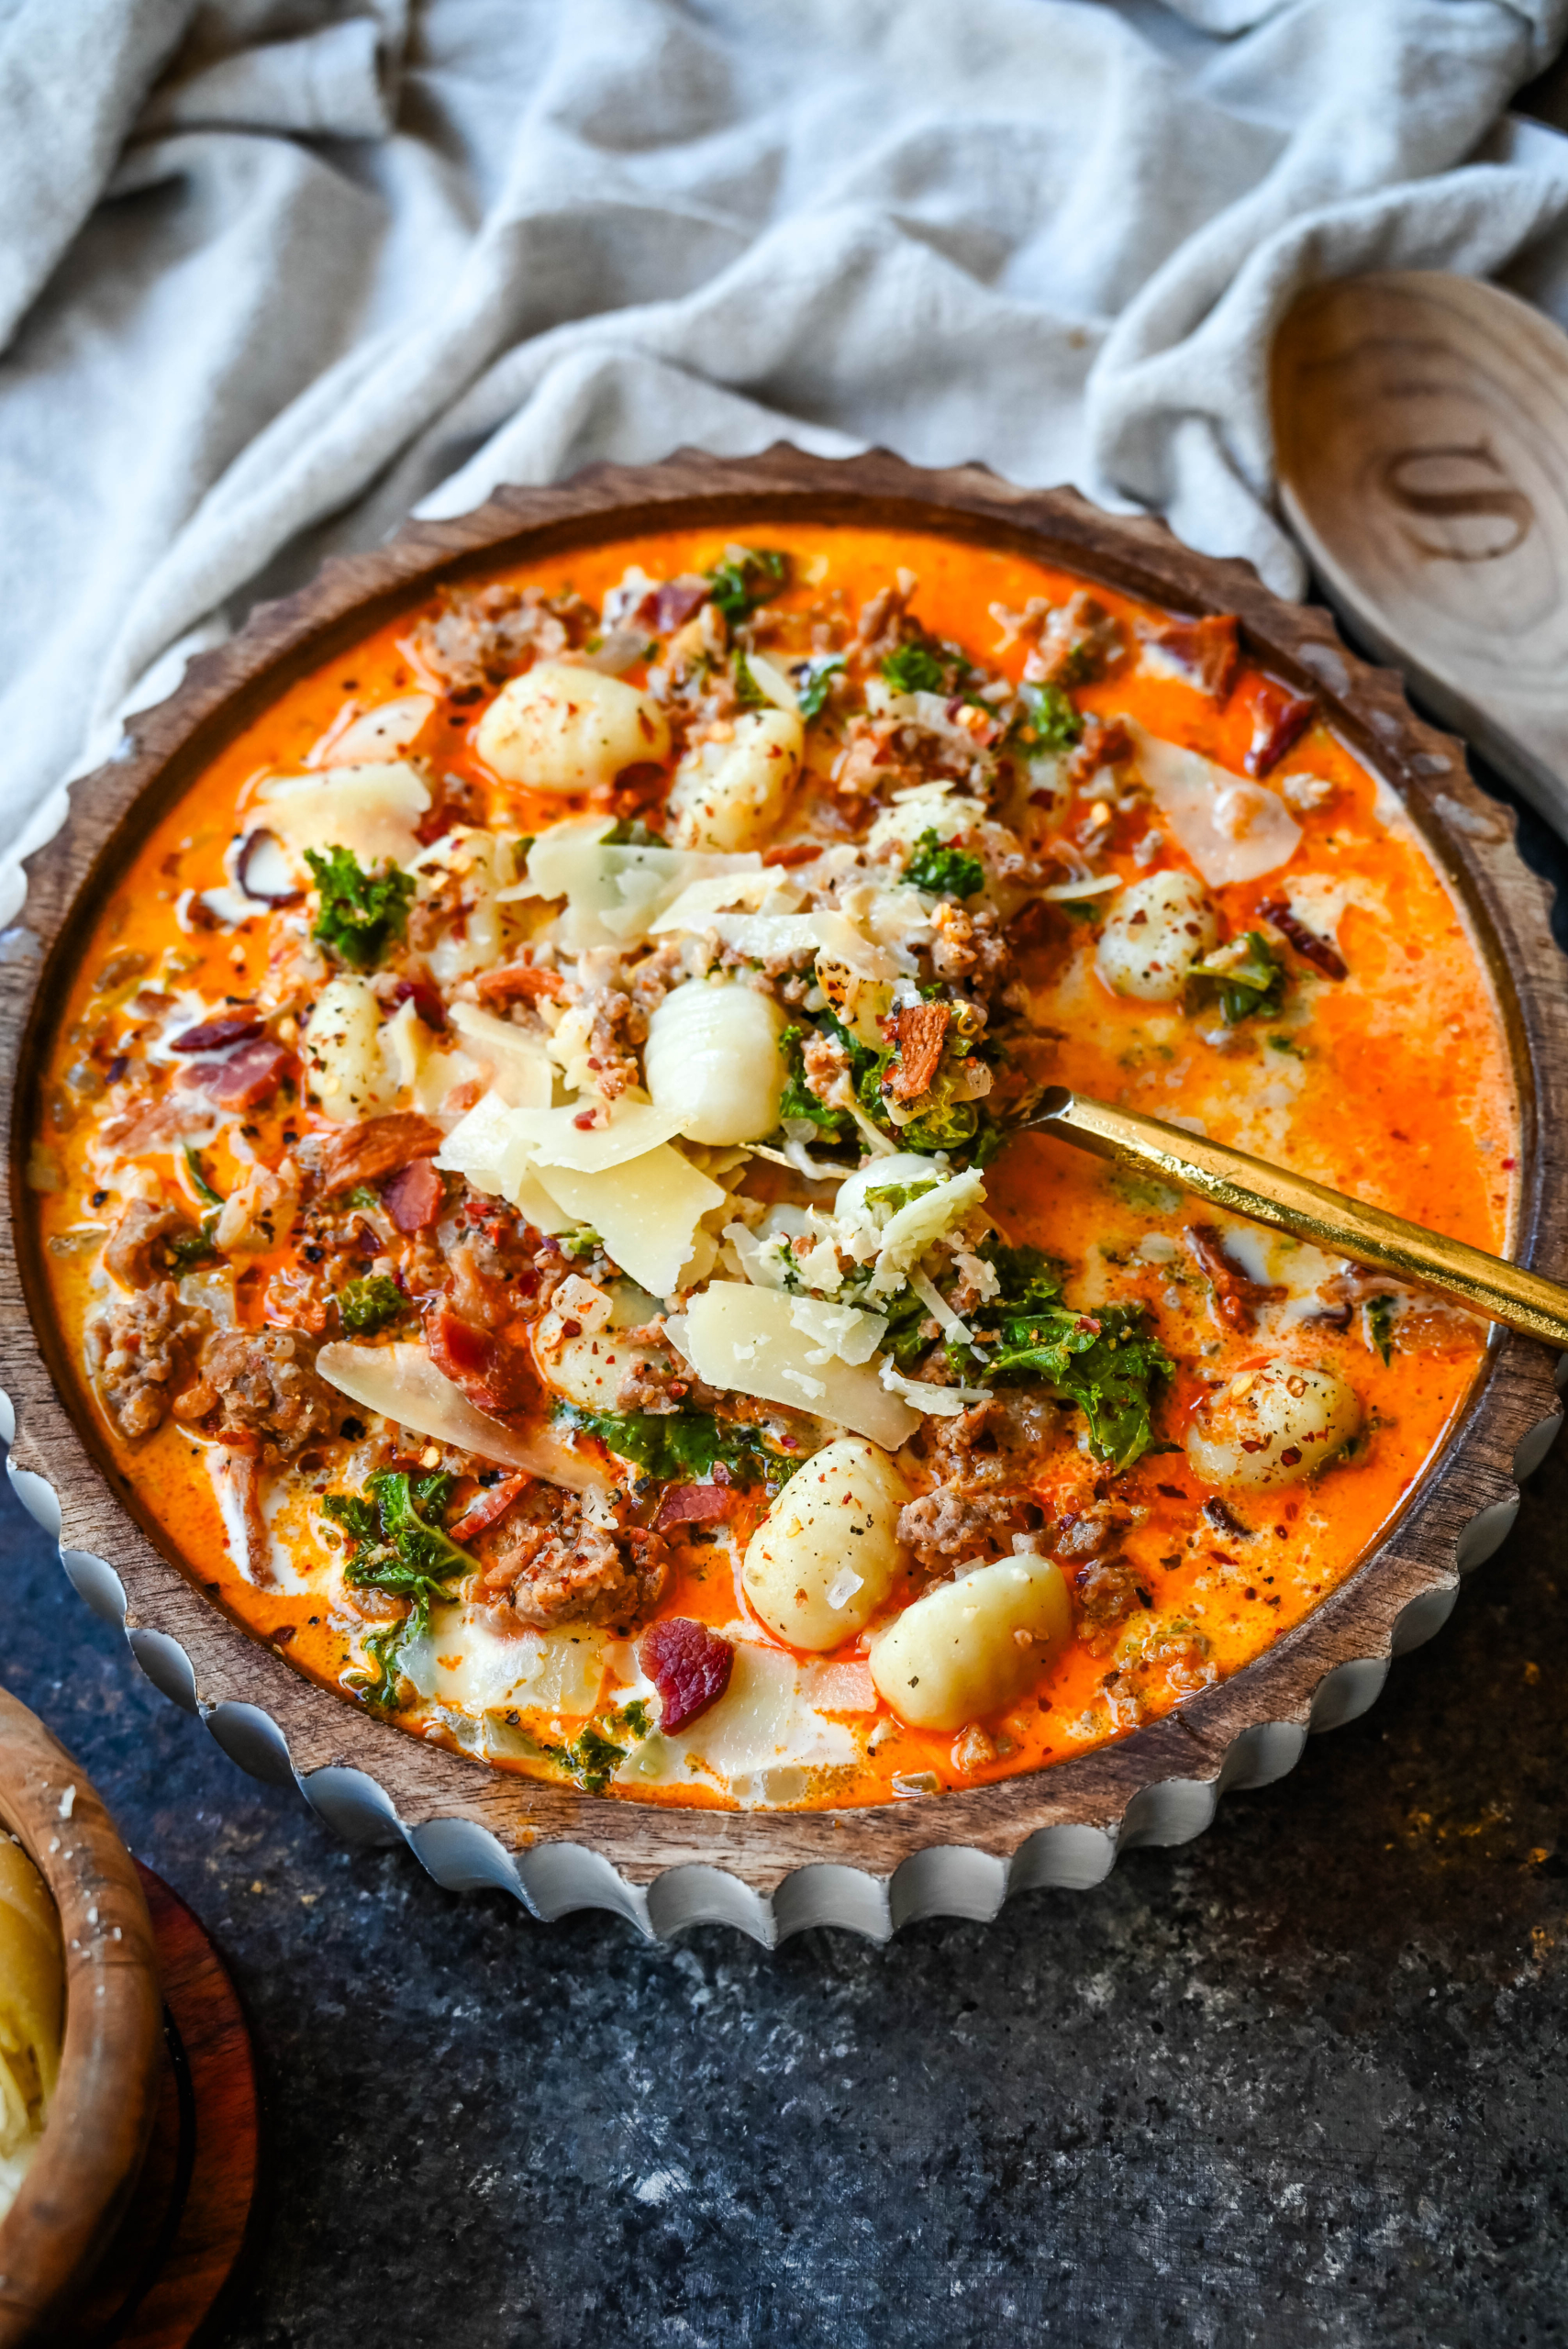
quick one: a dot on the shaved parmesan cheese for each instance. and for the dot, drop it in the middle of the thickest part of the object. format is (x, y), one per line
(700, 901)
(939, 1402)
(647, 1212)
(485, 1147)
(763, 1723)
(1232, 829)
(402, 1384)
(747, 1338)
(521, 1067)
(556, 1139)
(770, 937)
(460, 1660)
(372, 810)
(838, 1332)
(364, 736)
(614, 894)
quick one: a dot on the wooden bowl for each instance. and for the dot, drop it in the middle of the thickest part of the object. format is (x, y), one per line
(772, 1872)
(85, 2169)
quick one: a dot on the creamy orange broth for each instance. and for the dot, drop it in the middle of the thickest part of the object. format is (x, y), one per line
(1398, 1089)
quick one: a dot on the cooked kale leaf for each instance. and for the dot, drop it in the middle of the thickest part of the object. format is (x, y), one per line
(1107, 1362)
(398, 1549)
(817, 684)
(363, 913)
(915, 668)
(798, 1100)
(944, 871)
(372, 1304)
(748, 576)
(1249, 977)
(1047, 720)
(685, 1447)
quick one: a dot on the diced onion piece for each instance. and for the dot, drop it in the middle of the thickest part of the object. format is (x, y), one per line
(647, 1212)
(521, 1067)
(746, 1339)
(1232, 829)
(384, 732)
(402, 1384)
(371, 810)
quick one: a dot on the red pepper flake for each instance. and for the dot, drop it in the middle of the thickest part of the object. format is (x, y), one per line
(1509, 1164)
(585, 1120)
(689, 1665)
(1279, 718)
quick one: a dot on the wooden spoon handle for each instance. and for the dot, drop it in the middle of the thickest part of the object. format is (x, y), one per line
(1249, 1187)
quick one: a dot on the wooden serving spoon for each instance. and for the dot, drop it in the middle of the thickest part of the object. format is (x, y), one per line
(1341, 1226)
(1421, 429)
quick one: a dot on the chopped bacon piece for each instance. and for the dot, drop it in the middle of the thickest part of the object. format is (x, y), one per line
(415, 1197)
(689, 1665)
(216, 1035)
(692, 1505)
(793, 853)
(922, 1029)
(1236, 1297)
(1307, 942)
(1279, 718)
(378, 1146)
(427, 1005)
(488, 1507)
(493, 1375)
(524, 979)
(247, 1075)
(676, 600)
(1206, 650)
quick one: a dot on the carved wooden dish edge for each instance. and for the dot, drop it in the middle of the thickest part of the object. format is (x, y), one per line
(772, 1872)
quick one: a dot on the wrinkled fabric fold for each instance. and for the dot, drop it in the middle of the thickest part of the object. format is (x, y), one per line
(281, 271)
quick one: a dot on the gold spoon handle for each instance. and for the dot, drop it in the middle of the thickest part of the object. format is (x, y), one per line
(1249, 1186)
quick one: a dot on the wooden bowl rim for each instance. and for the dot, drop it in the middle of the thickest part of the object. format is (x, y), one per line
(92, 2149)
(242, 1686)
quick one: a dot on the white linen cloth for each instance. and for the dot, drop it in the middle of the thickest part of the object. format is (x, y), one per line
(273, 272)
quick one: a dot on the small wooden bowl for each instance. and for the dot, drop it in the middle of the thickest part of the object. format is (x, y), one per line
(772, 1872)
(86, 2167)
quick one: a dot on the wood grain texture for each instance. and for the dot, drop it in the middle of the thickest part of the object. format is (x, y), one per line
(1470, 837)
(1421, 425)
(87, 2165)
(177, 2246)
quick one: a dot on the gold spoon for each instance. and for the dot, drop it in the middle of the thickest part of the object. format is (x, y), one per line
(1245, 1185)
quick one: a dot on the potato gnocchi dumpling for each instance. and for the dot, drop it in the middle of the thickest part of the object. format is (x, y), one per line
(828, 1553)
(1274, 1425)
(713, 1059)
(1156, 929)
(968, 1649)
(729, 793)
(562, 730)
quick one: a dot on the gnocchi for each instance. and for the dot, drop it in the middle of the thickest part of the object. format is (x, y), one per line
(1272, 1426)
(730, 795)
(1155, 931)
(564, 729)
(580, 1351)
(828, 1553)
(347, 1068)
(713, 1059)
(971, 1648)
